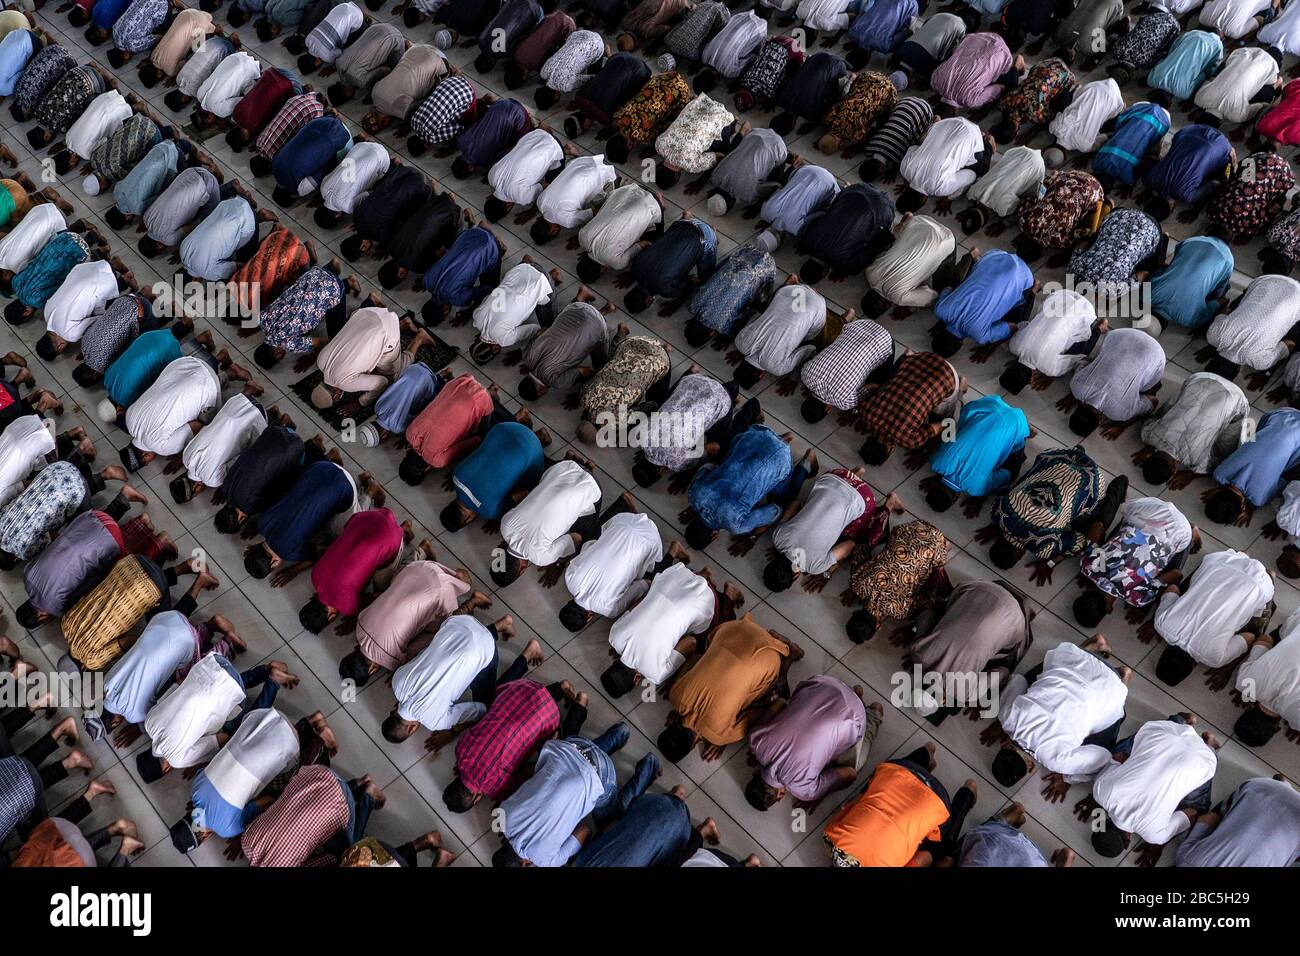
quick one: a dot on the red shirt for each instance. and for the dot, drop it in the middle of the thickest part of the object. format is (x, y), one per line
(488, 755)
(263, 101)
(370, 540)
(445, 431)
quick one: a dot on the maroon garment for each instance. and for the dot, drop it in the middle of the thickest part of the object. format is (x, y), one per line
(545, 39)
(263, 101)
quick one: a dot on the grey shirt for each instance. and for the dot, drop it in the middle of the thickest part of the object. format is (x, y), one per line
(555, 354)
(1260, 827)
(743, 172)
(808, 537)
(193, 193)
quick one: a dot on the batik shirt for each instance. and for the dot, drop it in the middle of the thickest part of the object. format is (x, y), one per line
(637, 364)
(892, 584)
(1147, 41)
(110, 333)
(1067, 198)
(32, 519)
(870, 97)
(39, 76)
(288, 322)
(686, 40)
(68, 99)
(770, 66)
(134, 31)
(726, 295)
(1244, 205)
(1031, 101)
(1039, 511)
(646, 115)
(118, 153)
(1126, 237)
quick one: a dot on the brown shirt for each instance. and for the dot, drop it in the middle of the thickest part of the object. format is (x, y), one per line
(984, 626)
(740, 666)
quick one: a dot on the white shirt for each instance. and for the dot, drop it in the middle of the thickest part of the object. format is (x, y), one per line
(505, 317)
(342, 21)
(210, 453)
(1227, 95)
(428, 686)
(1252, 333)
(1288, 512)
(1079, 124)
(1283, 33)
(159, 420)
(1075, 696)
(780, 340)
(1061, 319)
(232, 78)
(1015, 175)
(1233, 18)
(609, 573)
(1271, 675)
(23, 448)
(42, 222)
(900, 273)
(939, 164)
(823, 14)
(808, 538)
(183, 725)
(264, 746)
(612, 234)
(537, 529)
(1141, 795)
(349, 182)
(106, 112)
(85, 292)
(1227, 590)
(518, 176)
(679, 602)
(566, 200)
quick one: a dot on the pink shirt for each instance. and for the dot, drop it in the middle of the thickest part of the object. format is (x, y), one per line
(444, 431)
(401, 621)
(370, 540)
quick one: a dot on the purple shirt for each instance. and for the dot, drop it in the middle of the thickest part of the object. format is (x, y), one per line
(823, 719)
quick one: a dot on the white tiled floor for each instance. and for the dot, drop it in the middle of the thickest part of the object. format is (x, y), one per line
(414, 780)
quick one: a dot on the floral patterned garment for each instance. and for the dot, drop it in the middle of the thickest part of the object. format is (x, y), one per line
(31, 520)
(1127, 566)
(1067, 197)
(1031, 101)
(1125, 238)
(743, 276)
(39, 76)
(1147, 42)
(646, 115)
(1247, 203)
(1284, 235)
(287, 322)
(869, 98)
(68, 99)
(769, 68)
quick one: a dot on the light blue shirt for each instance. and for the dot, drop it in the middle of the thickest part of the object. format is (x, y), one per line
(15, 50)
(1186, 292)
(1256, 467)
(208, 252)
(143, 184)
(541, 815)
(987, 432)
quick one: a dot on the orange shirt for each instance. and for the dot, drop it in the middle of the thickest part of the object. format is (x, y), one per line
(885, 826)
(740, 666)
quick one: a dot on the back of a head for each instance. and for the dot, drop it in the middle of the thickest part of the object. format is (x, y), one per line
(1015, 378)
(618, 679)
(1174, 665)
(227, 520)
(758, 794)
(811, 272)
(778, 575)
(699, 535)
(314, 616)
(1090, 607)
(813, 410)
(675, 742)
(939, 498)
(458, 797)
(573, 617)
(1109, 842)
(861, 626)
(1009, 768)
(644, 472)
(1003, 554)
(1254, 728)
(636, 301)
(1084, 421)
(873, 452)
(257, 562)
(1223, 506)
(450, 517)
(1158, 469)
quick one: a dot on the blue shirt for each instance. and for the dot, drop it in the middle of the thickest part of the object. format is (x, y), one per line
(727, 496)
(106, 12)
(322, 491)
(453, 279)
(406, 398)
(1197, 154)
(15, 50)
(654, 831)
(977, 308)
(997, 843)
(1191, 59)
(883, 25)
(222, 818)
(135, 369)
(1186, 292)
(143, 184)
(509, 454)
(310, 153)
(1136, 129)
(665, 266)
(492, 136)
(1256, 467)
(987, 432)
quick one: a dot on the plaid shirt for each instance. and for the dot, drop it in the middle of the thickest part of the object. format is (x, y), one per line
(296, 113)
(490, 754)
(438, 119)
(836, 374)
(311, 809)
(18, 794)
(898, 413)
